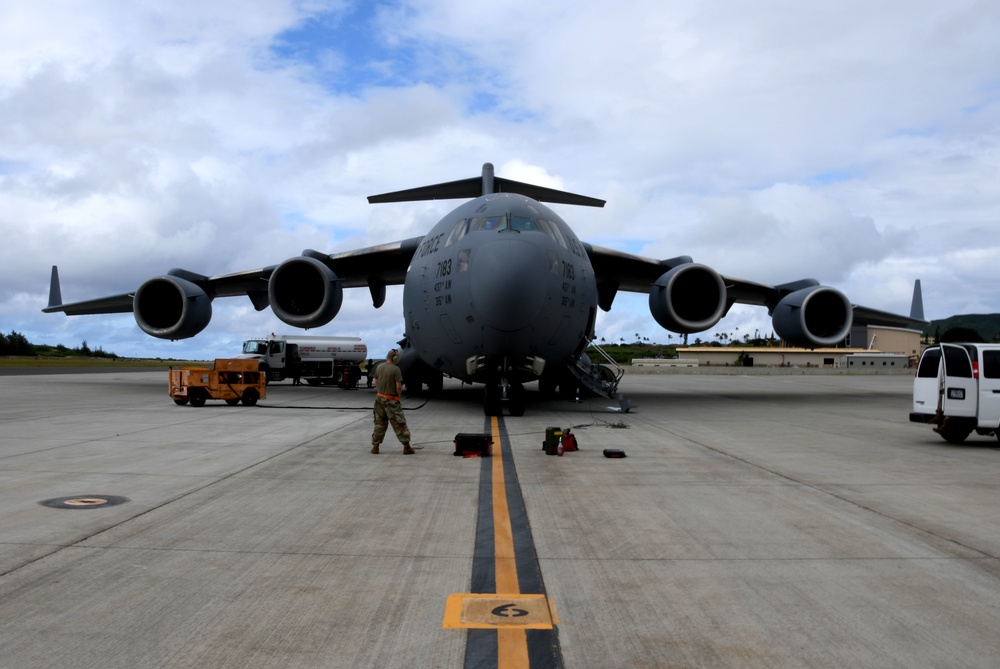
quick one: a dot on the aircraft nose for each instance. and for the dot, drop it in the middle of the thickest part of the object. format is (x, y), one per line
(508, 283)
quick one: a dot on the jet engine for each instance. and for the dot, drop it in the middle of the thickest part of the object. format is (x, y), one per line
(689, 298)
(304, 292)
(811, 317)
(170, 307)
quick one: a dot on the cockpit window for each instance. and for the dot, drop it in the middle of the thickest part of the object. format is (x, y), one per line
(510, 222)
(523, 224)
(492, 223)
(553, 231)
(460, 230)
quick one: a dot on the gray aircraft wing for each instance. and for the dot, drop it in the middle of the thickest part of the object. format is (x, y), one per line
(374, 266)
(617, 270)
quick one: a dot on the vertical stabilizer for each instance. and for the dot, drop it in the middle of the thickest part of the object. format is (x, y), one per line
(917, 306)
(488, 186)
(55, 294)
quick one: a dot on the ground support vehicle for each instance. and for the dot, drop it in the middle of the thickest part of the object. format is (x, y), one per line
(230, 379)
(957, 389)
(316, 360)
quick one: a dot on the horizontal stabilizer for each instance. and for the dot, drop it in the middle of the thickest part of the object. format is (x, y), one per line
(486, 184)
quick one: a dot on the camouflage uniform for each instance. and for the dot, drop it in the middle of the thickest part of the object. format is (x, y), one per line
(387, 407)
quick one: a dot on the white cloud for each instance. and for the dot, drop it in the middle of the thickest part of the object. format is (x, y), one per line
(852, 142)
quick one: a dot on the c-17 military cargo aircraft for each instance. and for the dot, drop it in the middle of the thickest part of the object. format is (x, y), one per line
(500, 292)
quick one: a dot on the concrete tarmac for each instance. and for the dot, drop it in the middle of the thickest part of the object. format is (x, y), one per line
(757, 521)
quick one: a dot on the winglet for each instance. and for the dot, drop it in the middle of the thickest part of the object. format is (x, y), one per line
(55, 294)
(917, 305)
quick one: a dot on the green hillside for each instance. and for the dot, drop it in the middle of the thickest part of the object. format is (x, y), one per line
(987, 325)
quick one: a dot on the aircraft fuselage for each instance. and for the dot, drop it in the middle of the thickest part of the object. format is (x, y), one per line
(499, 290)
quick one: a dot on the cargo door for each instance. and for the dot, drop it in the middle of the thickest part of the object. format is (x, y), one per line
(927, 385)
(959, 396)
(989, 388)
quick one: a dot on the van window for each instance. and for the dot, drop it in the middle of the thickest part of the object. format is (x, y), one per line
(991, 364)
(929, 364)
(957, 363)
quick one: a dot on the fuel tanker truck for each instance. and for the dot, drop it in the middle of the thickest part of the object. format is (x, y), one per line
(316, 360)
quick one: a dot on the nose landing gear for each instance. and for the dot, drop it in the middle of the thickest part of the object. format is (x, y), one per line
(495, 396)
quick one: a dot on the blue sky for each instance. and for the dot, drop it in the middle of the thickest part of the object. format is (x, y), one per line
(855, 143)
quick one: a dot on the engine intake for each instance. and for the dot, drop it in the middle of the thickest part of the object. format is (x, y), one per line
(689, 298)
(811, 317)
(305, 293)
(170, 307)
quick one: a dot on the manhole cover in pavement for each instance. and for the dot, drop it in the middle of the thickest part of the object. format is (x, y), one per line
(84, 502)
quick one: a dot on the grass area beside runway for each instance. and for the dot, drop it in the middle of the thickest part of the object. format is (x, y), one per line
(85, 361)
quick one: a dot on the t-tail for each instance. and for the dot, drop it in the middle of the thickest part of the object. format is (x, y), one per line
(486, 184)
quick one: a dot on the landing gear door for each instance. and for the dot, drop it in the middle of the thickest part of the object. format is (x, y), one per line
(959, 396)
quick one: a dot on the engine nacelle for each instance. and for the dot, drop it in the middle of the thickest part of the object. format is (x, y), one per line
(304, 292)
(170, 307)
(689, 298)
(812, 317)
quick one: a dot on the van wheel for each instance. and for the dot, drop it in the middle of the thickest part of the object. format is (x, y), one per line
(954, 431)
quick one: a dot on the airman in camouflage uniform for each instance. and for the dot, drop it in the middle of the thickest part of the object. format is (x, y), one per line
(389, 386)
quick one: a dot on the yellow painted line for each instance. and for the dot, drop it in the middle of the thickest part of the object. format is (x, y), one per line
(508, 611)
(512, 642)
(503, 535)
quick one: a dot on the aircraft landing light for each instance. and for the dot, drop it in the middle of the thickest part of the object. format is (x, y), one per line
(493, 611)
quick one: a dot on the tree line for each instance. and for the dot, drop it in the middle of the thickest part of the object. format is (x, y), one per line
(16, 343)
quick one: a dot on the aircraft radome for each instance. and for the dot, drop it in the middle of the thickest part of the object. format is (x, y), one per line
(500, 292)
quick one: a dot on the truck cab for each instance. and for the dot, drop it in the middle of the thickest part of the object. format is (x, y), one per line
(957, 389)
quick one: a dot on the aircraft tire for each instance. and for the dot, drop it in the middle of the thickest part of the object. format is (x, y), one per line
(517, 401)
(491, 400)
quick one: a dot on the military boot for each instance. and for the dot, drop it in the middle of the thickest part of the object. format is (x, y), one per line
(407, 450)
(375, 449)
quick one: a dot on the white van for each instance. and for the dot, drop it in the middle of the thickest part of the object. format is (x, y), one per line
(957, 389)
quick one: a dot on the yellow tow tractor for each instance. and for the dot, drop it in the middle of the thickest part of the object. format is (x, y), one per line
(229, 379)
